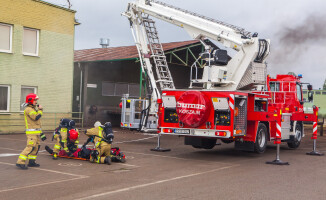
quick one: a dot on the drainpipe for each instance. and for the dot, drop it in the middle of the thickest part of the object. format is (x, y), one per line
(80, 89)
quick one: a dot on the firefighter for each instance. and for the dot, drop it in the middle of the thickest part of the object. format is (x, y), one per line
(32, 114)
(67, 138)
(102, 136)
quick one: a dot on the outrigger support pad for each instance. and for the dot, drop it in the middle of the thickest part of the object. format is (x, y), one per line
(158, 148)
(314, 151)
(277, 161)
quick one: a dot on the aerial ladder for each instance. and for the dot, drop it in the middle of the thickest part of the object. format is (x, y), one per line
(245, 69)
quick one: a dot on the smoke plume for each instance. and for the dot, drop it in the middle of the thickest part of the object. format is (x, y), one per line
(291, 42)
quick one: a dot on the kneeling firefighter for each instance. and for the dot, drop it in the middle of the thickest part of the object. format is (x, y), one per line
(67, 138)
(32, 114)
(102, 136)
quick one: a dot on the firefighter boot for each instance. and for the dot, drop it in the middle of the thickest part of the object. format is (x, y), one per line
(48, 149)
(107, 160)
(32, 163)
(93, 156)
(55, 156)
(21, 166)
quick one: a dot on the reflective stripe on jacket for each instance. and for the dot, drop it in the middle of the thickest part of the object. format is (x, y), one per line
(97, 131)
(32, 125)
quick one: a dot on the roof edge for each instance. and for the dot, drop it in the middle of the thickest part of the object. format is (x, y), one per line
(86, 61)
(56, 6)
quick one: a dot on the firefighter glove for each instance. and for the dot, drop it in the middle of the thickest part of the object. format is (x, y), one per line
(43, 137)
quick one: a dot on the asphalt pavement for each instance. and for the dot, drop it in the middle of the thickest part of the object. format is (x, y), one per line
(182, 173)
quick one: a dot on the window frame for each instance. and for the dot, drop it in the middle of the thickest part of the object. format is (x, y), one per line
(299, 93)
(10, 39)
(28, 87)
(37, 42)
(115, 89)
(276, 86)
(8, 99)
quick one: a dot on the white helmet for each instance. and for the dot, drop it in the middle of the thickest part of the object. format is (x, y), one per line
(97, 124)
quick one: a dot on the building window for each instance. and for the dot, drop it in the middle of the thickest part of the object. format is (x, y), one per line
(118, 89)
(30, 42)
(5, 38)
(25, 90)
(4, 98)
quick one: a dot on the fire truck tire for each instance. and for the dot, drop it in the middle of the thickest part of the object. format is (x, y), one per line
(261, 139)
(209, 143)
(227, 141)
(298, 137)
(205, 143)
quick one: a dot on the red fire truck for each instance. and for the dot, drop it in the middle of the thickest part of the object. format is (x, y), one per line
(230, 98)
(247, 118)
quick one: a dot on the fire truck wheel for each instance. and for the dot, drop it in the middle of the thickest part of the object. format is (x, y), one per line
(227, 141)
(209, 143)
(261, 139)
(298, 136)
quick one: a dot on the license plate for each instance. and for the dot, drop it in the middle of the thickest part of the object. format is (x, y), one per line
(182, 131)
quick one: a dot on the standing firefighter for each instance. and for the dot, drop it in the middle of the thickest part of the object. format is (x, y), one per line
(67, 138)
(102, 138)
(32, 113)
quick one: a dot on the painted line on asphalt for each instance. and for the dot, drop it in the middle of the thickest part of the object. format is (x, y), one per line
(41, 184)
(148, 154)
(46, 183)
(8, 154)
(156, 182)
(128, 141)
(126, 165)
(10, 149)
(58, 172)
(49, 170)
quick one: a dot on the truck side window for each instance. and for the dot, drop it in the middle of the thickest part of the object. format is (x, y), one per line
(299, 96)
(275, 86)
(261, 105)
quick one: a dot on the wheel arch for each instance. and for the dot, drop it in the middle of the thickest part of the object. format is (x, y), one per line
(267, 124)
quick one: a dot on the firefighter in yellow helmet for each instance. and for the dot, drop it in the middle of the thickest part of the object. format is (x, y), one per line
(102, 137)
(32, 114)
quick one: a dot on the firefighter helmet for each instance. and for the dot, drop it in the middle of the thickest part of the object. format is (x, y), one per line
(30, 98)
(73, 134)
(72, 124)
(64, 122)
(97, 124)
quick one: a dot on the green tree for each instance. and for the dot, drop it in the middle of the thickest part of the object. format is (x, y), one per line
(324, 87)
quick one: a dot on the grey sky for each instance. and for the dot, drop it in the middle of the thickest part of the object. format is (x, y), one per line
(295, 27)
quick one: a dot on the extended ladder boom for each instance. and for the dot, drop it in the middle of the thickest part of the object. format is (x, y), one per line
(238, 72)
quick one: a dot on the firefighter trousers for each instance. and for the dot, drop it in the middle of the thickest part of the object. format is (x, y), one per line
(103, 152)
(31, 149)
(61, 142)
